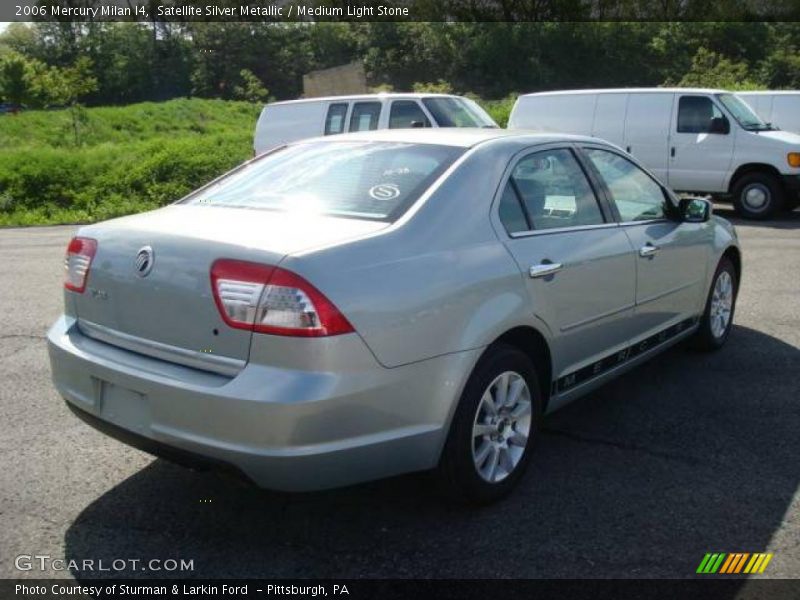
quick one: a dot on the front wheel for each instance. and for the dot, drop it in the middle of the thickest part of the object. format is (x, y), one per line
(717, 320)
(758, 196)
(493, 429)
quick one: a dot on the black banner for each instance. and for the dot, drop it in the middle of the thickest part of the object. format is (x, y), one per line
(510, 589)
(396, 10)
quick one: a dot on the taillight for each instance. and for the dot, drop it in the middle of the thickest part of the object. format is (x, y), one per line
(80, 253)
(269, 299)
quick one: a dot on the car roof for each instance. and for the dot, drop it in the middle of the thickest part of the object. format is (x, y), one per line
(348, 98)
(666, 90)
(464, 137)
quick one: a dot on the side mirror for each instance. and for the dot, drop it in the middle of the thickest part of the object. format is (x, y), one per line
(695, 210)
(719, 125)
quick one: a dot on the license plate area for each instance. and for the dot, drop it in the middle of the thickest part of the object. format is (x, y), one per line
(124, 407)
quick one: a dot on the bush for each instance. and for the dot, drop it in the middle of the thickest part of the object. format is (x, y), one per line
(499, 110)
(155, 154)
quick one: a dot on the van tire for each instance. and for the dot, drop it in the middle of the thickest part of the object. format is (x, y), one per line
(758, 195)
(458, 471)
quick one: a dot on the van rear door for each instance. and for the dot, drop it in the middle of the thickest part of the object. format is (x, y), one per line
(285, 122)
(562, 113)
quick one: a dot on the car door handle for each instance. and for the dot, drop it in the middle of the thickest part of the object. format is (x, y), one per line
(544, 269)
(648, 250)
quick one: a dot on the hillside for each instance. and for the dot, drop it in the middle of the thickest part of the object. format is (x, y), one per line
(130, 158)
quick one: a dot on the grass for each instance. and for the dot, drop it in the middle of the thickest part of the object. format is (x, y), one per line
(130, 158)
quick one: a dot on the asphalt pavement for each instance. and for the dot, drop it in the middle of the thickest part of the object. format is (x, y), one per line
(690, 453)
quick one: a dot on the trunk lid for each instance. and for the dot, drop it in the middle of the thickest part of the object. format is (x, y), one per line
(170, 312)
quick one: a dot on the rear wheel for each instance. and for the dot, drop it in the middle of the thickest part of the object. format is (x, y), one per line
(494, 428)
(717, 320)
(758, 195)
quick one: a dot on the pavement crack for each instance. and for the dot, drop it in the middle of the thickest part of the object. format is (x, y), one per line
(19, 336)
(24, 336)
(620, 445)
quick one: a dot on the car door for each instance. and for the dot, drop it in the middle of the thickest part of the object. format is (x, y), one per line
(700, 156)
(671, 256)
(576, 261)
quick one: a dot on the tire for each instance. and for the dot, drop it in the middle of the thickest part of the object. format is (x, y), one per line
(758, 195)
(711, 335)
(462, 473)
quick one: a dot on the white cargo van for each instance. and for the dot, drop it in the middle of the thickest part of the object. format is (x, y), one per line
(284, 122)
(779, 108)
(697, 140)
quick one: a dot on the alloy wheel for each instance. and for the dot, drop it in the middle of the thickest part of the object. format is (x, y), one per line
(721, 304)
(501, 427)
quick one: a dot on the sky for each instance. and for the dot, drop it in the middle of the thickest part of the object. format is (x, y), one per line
(3, 25)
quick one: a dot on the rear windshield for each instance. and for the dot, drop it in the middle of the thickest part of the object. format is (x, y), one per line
(365, 180)
(457, 112)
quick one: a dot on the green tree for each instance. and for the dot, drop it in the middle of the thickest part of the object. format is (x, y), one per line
(438, 87)
(15, 78)
(66, 86)
(710, 69)
(251, 88)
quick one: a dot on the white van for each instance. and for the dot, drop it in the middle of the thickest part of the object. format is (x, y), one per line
(696, 140)
(779, 108)
(284, 122)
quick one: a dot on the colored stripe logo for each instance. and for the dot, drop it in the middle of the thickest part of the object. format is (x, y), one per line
(734, 563)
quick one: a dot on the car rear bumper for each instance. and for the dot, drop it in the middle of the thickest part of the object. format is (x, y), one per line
(291, 430)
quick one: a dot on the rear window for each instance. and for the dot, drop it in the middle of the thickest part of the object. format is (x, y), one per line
(366, 180)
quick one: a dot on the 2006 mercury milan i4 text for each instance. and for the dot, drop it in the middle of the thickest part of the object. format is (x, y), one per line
(358, 306)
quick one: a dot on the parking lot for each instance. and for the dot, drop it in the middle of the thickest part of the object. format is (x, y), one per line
(690, 453)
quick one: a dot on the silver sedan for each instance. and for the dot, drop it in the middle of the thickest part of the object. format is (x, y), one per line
(364, 305)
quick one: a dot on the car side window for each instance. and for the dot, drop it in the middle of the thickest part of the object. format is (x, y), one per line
(406, 114)
(636, 195)
(551, 191)
(334, 122)
(511, 215)
(695, 114)
(365, 116)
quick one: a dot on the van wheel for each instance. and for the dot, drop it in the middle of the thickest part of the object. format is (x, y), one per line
(717, 320)
(758, 195)
(494, 428)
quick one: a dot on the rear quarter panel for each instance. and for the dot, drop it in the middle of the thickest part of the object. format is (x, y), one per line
(441, 282)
